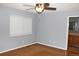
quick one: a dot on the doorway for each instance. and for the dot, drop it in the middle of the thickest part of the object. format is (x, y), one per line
(73, 34)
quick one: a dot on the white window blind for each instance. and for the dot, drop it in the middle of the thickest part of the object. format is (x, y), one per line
(20, 25)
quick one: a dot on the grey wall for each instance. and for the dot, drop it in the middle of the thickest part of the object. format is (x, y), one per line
(48, 28)
(7, 42)
(52, 28)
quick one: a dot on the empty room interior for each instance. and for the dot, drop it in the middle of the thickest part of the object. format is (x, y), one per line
(39, 29)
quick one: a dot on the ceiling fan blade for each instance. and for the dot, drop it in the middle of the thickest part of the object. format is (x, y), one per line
(50, 8)
(30, 8)
(46, 4)
(29, 5)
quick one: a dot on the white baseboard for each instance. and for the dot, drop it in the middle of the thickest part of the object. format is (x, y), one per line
(16, 48)
(51, 46)
(31, 44)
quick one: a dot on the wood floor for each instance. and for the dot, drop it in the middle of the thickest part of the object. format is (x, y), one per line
(40, 50)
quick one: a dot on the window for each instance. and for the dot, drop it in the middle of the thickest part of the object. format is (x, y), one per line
(20, 25)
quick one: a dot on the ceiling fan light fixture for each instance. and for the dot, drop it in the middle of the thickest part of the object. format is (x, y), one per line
(39, 8)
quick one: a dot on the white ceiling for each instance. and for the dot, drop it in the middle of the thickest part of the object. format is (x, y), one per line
(59, 6)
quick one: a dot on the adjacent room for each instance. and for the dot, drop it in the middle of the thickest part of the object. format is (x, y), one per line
(39, 29)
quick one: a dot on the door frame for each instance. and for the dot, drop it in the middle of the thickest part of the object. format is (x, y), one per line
(68, 29)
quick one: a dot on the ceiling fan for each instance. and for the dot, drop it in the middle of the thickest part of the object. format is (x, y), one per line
(40, 7)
